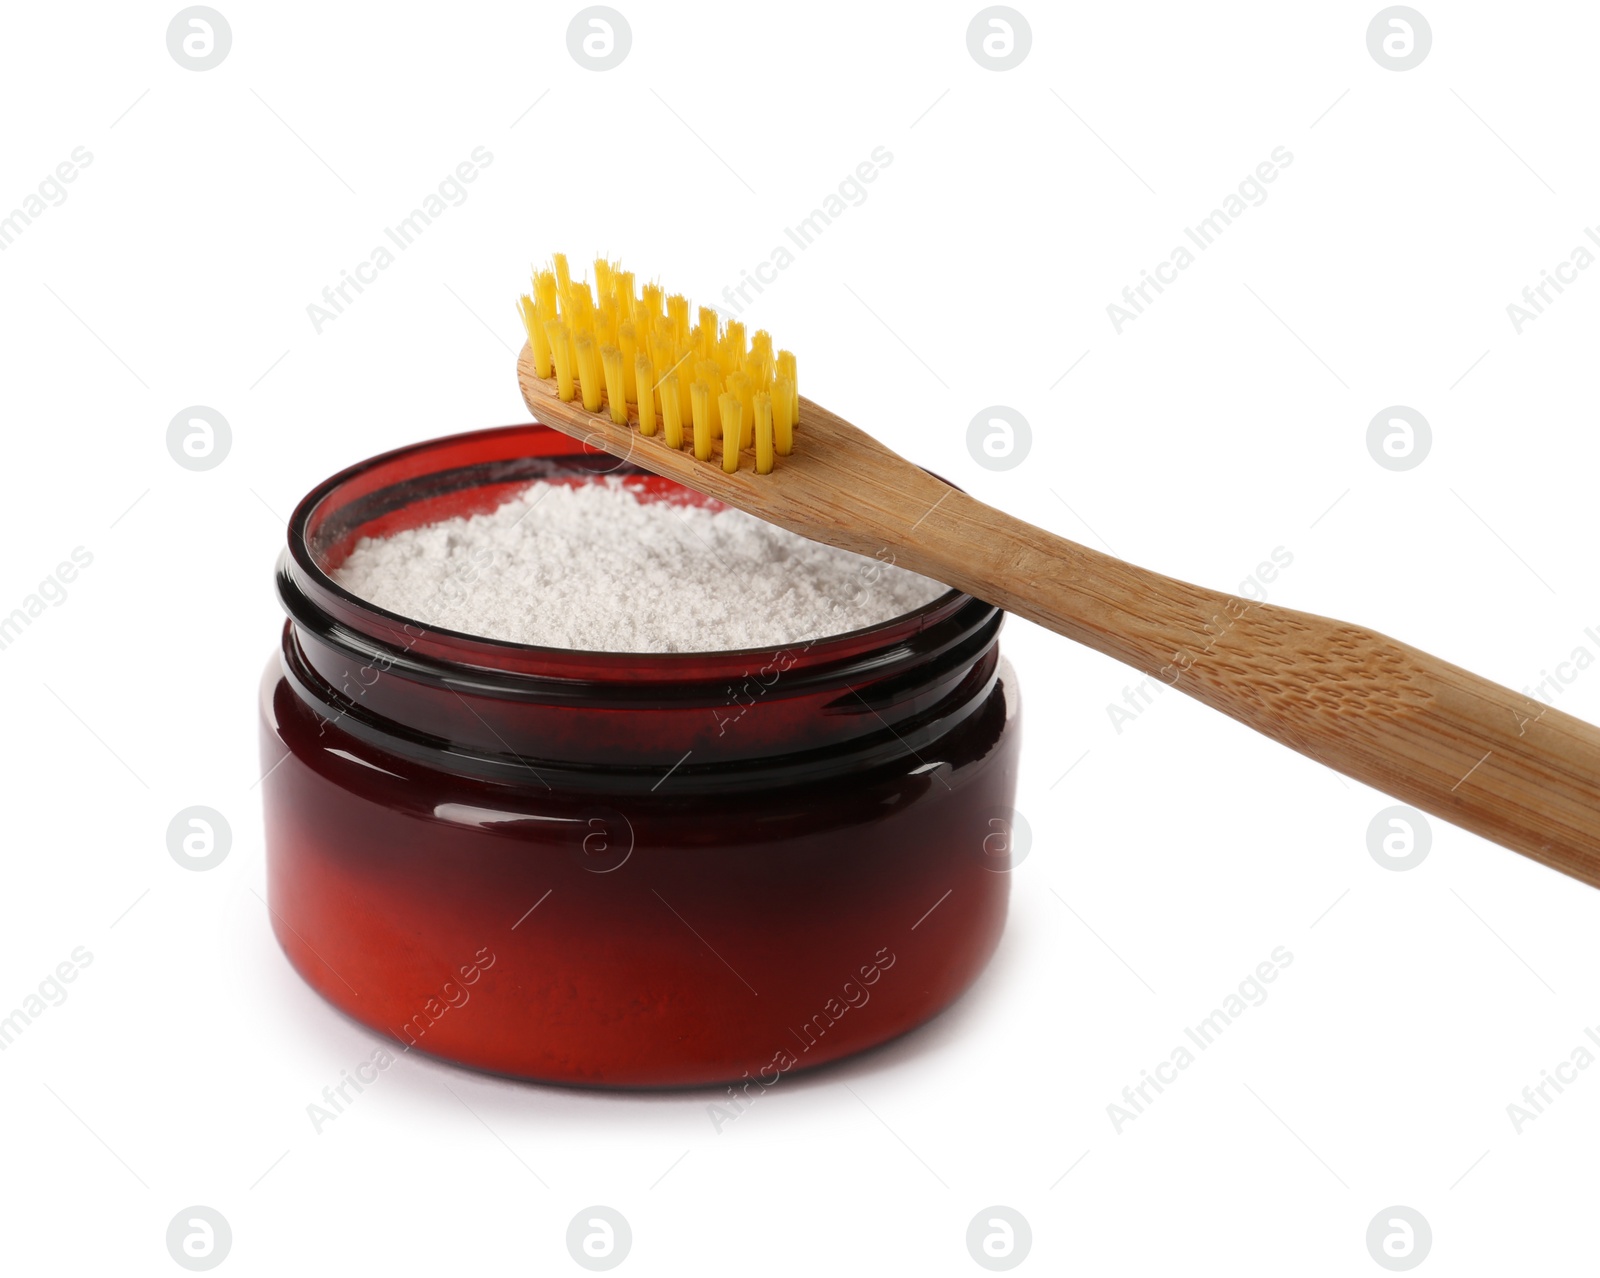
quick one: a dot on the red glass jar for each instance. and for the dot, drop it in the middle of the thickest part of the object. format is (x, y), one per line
(632, 870)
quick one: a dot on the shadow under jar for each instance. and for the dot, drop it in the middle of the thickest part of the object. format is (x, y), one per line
(623, 869)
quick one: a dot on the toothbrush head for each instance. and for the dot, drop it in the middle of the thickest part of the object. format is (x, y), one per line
(631, 354)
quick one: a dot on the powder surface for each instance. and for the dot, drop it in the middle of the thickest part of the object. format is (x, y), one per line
(592, 567)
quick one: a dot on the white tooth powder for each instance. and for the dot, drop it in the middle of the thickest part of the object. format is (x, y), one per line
(592, 567)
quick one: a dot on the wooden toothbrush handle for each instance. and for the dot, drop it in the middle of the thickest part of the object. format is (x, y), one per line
(1428, 732)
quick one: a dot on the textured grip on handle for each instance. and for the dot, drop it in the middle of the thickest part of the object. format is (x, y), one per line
(1430, 733)
(1425, 731)
(1451, 742)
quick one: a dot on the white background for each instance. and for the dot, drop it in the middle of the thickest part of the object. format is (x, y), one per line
(1228, 420)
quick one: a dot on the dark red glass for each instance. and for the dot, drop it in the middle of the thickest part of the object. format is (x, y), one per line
(632, 870)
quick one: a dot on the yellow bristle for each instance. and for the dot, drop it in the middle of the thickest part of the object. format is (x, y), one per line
(678, 313)
(684, 359)
(786, 368)
(741, 385)
(761, 367)
(671, 417)
(628, 342)
(576, 301)
(762, 375)
(545, 305)
(647, 399)
(764, 435)
(661, 363)
(545, 292)
(660, 357)
(579, 319)
(616, 384)
(650, 296)
(783, 415)
(700, 397)
(708, 371)
(561, 352)
(538, 340)
(618, 343)
(732, 430)
(589, 377)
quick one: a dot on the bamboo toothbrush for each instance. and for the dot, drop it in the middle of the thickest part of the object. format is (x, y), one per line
(628, 373)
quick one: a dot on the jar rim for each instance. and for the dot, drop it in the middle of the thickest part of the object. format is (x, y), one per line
(321, 589)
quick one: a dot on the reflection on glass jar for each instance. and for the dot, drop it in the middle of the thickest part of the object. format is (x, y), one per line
(632, 870)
